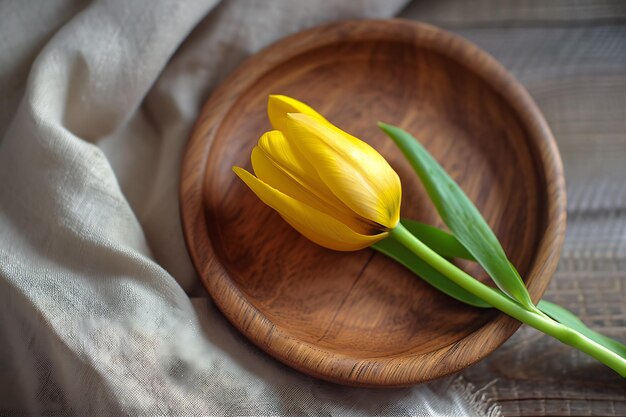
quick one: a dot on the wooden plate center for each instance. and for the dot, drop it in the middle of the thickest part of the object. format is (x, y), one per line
(362, 304)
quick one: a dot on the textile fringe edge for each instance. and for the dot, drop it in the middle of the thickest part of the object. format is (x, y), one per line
(477, 398)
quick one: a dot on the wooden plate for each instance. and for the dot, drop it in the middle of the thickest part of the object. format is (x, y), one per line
(358, 318)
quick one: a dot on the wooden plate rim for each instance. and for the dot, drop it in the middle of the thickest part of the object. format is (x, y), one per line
(309, 358)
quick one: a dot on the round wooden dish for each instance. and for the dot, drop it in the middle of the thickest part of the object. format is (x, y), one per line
(359, 318)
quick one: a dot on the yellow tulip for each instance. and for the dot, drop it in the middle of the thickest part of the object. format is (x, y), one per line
(333, 188)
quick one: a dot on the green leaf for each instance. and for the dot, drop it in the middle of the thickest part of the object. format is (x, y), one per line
(461, 216)
(441, 242)
(568, 319)
(445, 244)
(400, 254)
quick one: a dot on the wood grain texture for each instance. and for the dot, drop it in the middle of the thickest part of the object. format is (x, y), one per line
(359, 318)
(571, 56)
(516, 13)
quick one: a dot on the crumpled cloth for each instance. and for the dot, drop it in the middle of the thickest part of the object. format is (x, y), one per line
(101, 312)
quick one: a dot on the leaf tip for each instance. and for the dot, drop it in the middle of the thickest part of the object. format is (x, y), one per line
(387, 128)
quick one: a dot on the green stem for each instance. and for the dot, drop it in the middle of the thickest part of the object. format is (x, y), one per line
(505, 304)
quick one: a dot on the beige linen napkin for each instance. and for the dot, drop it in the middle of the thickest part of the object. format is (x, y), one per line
(98, 99)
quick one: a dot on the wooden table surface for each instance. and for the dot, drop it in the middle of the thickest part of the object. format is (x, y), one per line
(571, 55)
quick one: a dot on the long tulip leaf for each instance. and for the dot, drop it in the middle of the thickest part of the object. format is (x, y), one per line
(444, 243)
(400, 254)
(570, 320)
(461, 216)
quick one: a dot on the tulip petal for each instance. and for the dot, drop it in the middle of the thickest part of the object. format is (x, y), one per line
(278, 106)
(354, 171)
(290, 160)
(310, 222)
(284, 154)
(273, 175)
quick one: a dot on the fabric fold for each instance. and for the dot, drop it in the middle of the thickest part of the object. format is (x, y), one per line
(95, 279)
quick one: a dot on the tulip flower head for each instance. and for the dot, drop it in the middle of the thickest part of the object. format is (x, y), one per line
(333, 188)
